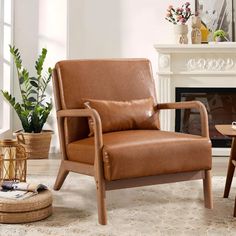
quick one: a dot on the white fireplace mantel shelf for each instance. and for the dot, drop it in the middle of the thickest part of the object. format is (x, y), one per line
(228, 47)
(196, 66)
(216, 73)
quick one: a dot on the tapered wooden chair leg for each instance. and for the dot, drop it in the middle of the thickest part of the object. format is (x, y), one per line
(208, 199)
(231, 168)
(61, 176)
(235, 207)
(101, 204)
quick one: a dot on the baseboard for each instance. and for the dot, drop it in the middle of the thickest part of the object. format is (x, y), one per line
(221, 152)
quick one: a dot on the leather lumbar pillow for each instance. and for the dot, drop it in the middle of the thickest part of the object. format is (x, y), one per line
(124, 115)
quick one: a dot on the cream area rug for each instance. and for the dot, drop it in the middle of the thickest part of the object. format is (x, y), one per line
(169, 209)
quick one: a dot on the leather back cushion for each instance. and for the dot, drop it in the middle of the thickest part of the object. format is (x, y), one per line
(111, 79)
(124, 115)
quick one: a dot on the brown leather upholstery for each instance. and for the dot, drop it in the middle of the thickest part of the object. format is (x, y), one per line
(100, 79)
(129, 154)
(124, 115)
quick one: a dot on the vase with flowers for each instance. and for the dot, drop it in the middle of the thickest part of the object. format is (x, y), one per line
(179, 17)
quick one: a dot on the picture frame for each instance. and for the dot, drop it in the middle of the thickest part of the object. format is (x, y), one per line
(217, 15)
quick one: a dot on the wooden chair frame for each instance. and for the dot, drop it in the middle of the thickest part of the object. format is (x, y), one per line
(96, 170)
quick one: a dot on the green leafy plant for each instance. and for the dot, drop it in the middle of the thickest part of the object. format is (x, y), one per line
(33, 110)
(220, 35)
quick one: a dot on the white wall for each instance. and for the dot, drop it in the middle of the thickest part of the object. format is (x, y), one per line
(26, 39)
(118, 28)
(41, 23)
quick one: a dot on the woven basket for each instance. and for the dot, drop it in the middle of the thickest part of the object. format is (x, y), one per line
(25, 217)
(12, 161)
(31, 209)
(36, 144)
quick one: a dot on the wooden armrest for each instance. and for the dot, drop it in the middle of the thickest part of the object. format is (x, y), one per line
(78, 113)
(86, 113)
(98, 163)
(189, 105)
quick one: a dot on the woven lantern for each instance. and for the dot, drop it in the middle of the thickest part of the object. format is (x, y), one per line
(12, 161)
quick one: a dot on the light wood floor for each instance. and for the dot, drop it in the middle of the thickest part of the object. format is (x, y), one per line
(50, 166)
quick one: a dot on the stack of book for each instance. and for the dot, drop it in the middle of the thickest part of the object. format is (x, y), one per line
(19, 190)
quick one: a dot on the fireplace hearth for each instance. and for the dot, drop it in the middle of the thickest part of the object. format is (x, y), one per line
(221, 108)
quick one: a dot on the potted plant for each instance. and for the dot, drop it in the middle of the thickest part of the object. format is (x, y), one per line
(32, 110)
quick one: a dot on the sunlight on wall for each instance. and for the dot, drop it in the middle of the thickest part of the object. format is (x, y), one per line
(52, 34)
(6, 68)
(38, 24)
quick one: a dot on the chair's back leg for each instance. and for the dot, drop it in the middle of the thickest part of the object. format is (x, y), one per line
(207, 190)
(61, 176)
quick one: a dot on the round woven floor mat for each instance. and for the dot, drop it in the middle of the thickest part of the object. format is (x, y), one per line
(37, 202)
(25, 217)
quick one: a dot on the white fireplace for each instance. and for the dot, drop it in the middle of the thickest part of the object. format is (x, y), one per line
(195, 66)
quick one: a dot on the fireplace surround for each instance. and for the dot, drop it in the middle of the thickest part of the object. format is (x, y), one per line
(193, 66)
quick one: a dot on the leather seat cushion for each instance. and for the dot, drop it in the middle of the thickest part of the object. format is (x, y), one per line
(138, 153)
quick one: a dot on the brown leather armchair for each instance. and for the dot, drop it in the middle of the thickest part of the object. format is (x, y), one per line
(128, 158)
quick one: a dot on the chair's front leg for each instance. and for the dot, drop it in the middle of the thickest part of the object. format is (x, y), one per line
(101, 192)
(101, 202)
(208, 199)
(61, 176)
(100, 186)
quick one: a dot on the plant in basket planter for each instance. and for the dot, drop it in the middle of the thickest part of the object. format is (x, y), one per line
(179, 17)
(33, 109)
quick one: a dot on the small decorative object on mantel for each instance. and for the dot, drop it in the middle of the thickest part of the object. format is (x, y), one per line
(215, 15)
(179, 18)
(32, 110)
(204, 33)
(12, 161)
(220, 36)
(196, 32)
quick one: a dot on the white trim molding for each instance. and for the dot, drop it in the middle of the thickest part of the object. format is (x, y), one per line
(222, 47)
(210, 64)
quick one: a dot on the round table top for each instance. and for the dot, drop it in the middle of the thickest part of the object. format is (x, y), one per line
(226, 130)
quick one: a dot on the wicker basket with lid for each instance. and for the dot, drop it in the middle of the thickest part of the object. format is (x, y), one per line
(12, 161)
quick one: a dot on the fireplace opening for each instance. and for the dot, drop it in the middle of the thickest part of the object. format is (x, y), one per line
(221, 108)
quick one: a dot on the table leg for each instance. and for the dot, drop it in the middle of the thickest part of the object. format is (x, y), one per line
(235, 207)
(231, 167)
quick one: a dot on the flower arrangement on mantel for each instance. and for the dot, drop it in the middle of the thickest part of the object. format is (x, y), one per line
(179, 15)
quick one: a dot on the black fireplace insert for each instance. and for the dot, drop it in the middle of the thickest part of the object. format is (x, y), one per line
(221, 108)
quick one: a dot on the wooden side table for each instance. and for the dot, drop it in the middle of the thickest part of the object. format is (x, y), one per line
(228, 131)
